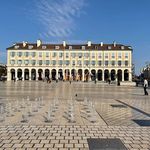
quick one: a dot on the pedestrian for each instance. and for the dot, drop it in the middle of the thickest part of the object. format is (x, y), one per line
(145, 86)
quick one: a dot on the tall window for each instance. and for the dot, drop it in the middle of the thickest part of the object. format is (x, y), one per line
(19, 62)
(26, 62)
(60, 62)
(47, 54)
(80, 55)
(93, 55)
(79, 62)
(67, 55)
(19, 54)
(126, 55)
(113, 55)
(40, 54)
(33, 62)
(73, 55)
(126, 63)
(54, 54)
(33, 54)
(113, 63)
(47, 62)
(119, 55)
(53, 62)
(67, 62)
(106, 55)
(60, 55)
(106, 63)
(99, 55)
(12, 54)
(40, 62)
(26, 54)
(12, 62)
(119, 63)
(93, 63)
(73, 63)
(100, 63)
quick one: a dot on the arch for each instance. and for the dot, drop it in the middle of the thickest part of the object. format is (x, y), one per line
(99, 75)
(19, 74)
(33, 74)
(119, 75)
(86, 75)
(67, 74)
(93, 74)
(73, 74)
(12, 74)
(113, 75)
(106, 75)
(79, 78)
(126, 75)
(40, 73)
(26, 74)
(60, 74)
(47, 73)
(53, 73)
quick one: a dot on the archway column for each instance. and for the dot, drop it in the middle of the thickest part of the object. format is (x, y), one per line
(83, 76)
(30, 74)
(122, 75)
(37, 74)
(16, 74)
(23, 74)
(130, 76)
(8, 75)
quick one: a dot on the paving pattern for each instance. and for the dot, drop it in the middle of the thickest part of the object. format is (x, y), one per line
(79, 111)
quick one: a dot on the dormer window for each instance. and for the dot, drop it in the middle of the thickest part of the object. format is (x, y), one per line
(56, 47)
(109, 47)
(96, 47)
(83, 47)
(70, 47)
(122, 47)
(16, 46)
(43, 47)
(30, 46)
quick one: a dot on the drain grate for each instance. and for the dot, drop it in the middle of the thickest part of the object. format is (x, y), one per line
(145, 123)
(118, 106)
(106, 144)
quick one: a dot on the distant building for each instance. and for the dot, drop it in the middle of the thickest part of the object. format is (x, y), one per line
(83, 62)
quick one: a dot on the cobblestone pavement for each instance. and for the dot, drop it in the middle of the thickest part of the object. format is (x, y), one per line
(78, 111)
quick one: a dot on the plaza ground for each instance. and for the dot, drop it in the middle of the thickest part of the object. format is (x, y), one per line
(118, 109)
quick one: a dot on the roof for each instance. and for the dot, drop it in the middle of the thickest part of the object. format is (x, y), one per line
(33, 46)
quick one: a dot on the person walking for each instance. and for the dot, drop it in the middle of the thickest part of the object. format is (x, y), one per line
(145, 86)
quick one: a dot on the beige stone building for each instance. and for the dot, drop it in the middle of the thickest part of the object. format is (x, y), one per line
(84, 62)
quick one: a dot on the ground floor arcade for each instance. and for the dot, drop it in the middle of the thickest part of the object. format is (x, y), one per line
(70, 74)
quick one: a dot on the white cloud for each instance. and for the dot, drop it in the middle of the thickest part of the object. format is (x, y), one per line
(58, 16)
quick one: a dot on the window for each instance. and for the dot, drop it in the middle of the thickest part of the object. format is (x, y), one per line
(30, 46)
(106, 63)
(99, 63)
(126, 63)
(106, 55)
(73, 63)
(67, 62)
(122, 47)
(93, 63)
(53, 62)
(47, 62)
(26, 62)
(12, 62)
(119, 55)
(86, 55)
(33, 54)
(80, 55)
(126, 55)
(113, 55)
(17, 46)
(119, 63)
(40, 54)
(60, 62)
(60, 55)
(86, 62)
(26, 54)
(40, 62)
(99, 55)
(57, 47)
(109, 47)
(113, 63)
(19, 54)
(93, 55)
(70, 47)
(67, 55)
(44, 47)
(12, 54)
(33, 62)
(83, 47)
(47, 54)
(73, 55)
(54, 54)
(19, 62)
(79, 62)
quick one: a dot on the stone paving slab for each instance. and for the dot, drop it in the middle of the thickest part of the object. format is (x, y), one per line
(132, 137)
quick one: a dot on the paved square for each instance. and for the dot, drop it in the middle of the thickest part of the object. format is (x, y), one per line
(37, 115)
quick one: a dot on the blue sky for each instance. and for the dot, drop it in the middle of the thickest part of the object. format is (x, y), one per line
(77, 21)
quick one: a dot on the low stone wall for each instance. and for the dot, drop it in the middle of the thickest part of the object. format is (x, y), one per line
(124, 83)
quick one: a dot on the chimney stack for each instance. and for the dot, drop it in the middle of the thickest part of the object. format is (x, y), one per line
(64, 43)
(114, 43)
(39, 43)
(89, 43)
(102, 44)
(24, 43)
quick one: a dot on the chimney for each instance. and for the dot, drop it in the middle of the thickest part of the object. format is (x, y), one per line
(89, 43)
(114, 43)
(101, 43)
(24, 43)
(64, 43)
(39, 43)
